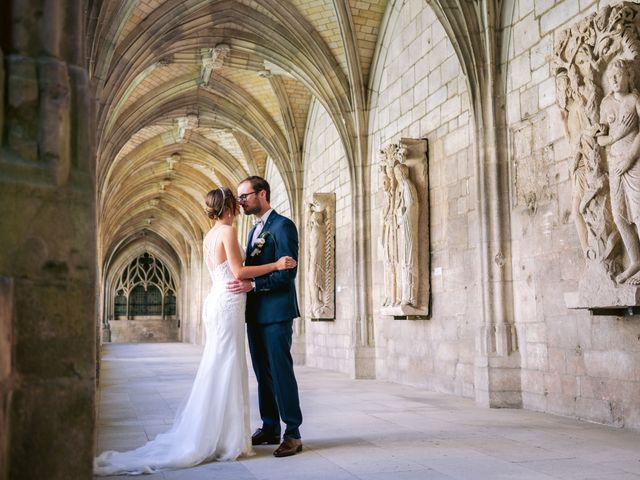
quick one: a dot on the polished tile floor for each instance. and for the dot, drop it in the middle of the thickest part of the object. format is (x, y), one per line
(363, 429)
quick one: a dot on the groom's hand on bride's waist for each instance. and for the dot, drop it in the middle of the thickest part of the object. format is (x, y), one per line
(239, 286)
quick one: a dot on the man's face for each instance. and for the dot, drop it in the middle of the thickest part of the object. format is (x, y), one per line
(248, 199)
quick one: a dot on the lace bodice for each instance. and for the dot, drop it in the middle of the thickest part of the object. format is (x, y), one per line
(216, 270)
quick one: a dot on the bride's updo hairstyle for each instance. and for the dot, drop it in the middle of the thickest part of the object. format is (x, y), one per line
(218, 201)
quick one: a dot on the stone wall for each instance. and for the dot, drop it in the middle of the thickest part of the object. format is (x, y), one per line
(279, 198)
(329, 343)
(573, 363)
(419, 91)
(150, 330)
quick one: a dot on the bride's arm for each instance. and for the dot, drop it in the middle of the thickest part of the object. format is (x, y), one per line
(234, 257)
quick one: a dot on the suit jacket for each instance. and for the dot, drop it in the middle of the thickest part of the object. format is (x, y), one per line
(274, 298)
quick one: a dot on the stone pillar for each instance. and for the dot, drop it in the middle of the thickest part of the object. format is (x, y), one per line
(497, 361)
(47, 244)
(6, 333)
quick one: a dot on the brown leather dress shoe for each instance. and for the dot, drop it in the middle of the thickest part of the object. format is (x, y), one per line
(288, 447)
(260, 437)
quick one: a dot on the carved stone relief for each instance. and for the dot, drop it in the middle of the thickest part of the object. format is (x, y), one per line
(596, 89)
(213, 59)
(185, 126)
(531, 162)
(404, 228)
(321, 227)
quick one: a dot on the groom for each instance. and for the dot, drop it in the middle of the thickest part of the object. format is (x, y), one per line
(271, 308)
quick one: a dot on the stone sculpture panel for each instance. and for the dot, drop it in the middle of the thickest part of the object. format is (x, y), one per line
(404, 228)
(321, 266)
(596, 65)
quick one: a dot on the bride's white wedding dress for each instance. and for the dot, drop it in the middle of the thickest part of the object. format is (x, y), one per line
(214, 422)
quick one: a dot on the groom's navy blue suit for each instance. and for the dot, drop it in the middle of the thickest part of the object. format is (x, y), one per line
(271, 308)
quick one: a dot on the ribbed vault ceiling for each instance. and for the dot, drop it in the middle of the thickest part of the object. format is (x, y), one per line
(198, 93)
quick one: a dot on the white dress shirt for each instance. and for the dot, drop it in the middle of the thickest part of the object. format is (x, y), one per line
(260, 225)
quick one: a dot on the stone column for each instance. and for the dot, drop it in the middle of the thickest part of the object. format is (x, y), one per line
(474, 30)
(6, 334)
(47, 244)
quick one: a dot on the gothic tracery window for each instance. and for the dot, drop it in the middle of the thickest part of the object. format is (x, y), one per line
(145, 288)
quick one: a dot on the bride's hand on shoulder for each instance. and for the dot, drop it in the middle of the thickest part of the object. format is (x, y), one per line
(285, 263)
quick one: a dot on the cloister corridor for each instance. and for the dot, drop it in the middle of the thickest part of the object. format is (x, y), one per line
(459, 181)
(364, 429)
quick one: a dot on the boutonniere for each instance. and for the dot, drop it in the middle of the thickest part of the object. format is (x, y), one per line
(259, 244)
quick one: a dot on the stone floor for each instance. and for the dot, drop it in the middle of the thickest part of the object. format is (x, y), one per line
(364, 429)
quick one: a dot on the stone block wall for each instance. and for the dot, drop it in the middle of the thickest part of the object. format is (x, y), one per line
(329, 344)
(419, 91)
(136, 331)
(279, 198)
(573, 363)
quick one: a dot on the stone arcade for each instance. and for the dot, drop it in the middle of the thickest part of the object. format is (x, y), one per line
(508, 191)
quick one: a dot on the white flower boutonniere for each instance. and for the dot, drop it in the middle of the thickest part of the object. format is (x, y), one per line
(259, 244)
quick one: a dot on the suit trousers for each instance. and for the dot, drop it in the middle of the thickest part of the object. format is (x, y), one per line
(270, 347)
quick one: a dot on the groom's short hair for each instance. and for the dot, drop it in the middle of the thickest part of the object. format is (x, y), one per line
(259, 184)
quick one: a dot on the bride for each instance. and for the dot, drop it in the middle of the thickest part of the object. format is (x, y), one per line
(213, 424)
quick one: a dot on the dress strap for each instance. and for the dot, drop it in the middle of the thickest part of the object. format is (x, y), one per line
(209, 247)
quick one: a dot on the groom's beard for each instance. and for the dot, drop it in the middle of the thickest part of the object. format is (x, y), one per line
(247, 210)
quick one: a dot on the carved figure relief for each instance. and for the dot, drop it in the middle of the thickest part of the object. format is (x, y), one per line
(404, 227)
(321, 256)
(619, 113)
(389, 242)
(594, 65)
(406, 212)
(572, 111)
